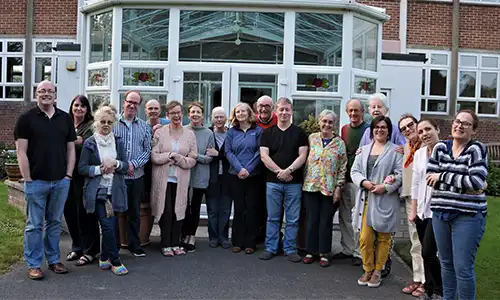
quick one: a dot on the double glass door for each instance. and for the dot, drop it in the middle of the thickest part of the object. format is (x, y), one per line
(225, 85)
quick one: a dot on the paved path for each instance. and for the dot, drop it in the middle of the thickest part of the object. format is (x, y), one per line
(206, 274)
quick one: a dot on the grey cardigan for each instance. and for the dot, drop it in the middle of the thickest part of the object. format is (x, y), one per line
(383, 210)
(89, 159)
(200, 174)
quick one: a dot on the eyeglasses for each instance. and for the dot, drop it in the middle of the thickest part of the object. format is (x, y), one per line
(46, 92)
(132, 102)
(104, 122)
(464, 124)
(410, 125)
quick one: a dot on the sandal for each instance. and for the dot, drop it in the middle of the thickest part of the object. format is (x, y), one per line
(309, 259)
(167, 252)
(85, 260)
(411, 288)
(324, 261)
(419, 292)
(249, 250)
(73, 256)
(105, 264)
(179, 251)
(119, 270)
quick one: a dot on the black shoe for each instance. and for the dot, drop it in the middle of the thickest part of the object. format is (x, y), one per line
(190, 248)
(356, 261)
(213, 244)
(267, 255)
(293, 257)
(387, 270)
(139, 253)
(341, 255)
(225, 244)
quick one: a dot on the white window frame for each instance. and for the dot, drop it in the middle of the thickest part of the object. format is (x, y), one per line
(52, 55)
(4, 54)
(428, 66)
(478, 70)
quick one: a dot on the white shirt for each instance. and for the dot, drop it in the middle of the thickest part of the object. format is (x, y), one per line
(420, 191)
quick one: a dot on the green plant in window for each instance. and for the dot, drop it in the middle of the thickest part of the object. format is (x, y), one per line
(310, 125)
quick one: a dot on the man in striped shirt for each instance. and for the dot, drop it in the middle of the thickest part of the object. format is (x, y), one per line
(136, 135)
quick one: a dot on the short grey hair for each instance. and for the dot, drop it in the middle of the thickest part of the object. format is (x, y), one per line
(355, 99)
(379, 96)
(327, 112)
(103, 111)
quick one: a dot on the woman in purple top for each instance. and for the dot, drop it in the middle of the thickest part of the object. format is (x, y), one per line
(243, 153)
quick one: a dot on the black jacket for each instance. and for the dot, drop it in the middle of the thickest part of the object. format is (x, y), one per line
(214, 164)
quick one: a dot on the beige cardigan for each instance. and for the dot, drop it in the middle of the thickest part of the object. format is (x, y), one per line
(162, 147)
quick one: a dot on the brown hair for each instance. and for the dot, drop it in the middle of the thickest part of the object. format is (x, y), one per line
(283, 100)
(133, 91)
(196, 104)
(172, 104)
(406, 116)
(433, 122)
(475, 119)
(251, 115)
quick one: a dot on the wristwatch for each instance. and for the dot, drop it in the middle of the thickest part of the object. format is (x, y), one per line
(291, 169)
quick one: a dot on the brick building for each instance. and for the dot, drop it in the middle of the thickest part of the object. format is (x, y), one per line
(461, 41)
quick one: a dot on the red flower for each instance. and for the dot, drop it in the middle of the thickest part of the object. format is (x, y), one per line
(317, 82)
(364, 86)
(143, 76)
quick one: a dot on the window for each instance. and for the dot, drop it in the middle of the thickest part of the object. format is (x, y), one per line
(435, 82)
(101, 27)
(44, 61)
(11, 69)
(478, 83)
(365, 43)
(306, 108)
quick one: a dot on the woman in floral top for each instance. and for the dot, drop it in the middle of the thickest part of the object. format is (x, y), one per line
(324, 179)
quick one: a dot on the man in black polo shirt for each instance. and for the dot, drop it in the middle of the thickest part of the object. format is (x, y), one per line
(283, 149)
(45, 145)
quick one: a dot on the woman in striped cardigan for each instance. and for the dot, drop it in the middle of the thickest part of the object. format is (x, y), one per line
(457, 171)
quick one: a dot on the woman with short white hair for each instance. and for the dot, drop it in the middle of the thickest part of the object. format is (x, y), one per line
(104, 164)
(324, 179)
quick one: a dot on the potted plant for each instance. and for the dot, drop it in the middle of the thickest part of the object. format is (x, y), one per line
(11, 165)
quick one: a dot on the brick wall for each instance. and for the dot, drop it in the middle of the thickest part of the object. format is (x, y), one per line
(9, 112)
(429, 24)
(390, 30)
(12, 17)
(55, 17)
(487, 131)
(480, 27)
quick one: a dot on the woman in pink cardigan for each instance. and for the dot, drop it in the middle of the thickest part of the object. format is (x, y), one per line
(173, 156)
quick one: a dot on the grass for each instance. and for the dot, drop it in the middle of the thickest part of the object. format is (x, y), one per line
(488, 258)
(12, 223)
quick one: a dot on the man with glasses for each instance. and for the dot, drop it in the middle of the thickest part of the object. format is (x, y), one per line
(136, 136)
(45, 138)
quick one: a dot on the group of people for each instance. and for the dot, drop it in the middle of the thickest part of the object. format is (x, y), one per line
(94, 166)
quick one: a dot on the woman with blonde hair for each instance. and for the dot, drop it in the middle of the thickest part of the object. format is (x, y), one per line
(242, 146)
(324, 179)
(174, 154)
(104, 164)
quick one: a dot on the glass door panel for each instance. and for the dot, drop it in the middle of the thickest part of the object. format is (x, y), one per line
(203, 87)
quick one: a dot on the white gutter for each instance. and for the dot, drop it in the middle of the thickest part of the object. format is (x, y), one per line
(350, 5)
(403, 25)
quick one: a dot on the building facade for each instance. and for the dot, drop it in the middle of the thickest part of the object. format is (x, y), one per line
(319, 53)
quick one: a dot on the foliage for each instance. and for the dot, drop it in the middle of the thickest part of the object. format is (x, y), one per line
(493, 180)
(12, 224)
(310, 125)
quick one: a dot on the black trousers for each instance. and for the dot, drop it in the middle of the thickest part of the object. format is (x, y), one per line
(432, 267)
(135, 192)
(83, 228)
(261, 210)
(245, 193)
(170, 228)
(319, 211)
(192, 220)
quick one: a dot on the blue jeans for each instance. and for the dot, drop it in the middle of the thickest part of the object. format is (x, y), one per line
(219, 210)
(457, 238)
(108, 229)
(290, 194)
(44, 210)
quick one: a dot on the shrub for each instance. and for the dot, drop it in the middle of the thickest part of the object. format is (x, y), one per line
(6, 156)
(310, 125)
(493, 180)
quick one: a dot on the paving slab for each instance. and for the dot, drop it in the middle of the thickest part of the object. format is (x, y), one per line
(205, 274)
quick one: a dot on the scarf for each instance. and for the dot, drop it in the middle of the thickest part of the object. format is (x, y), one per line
(107, 152)
(413, 148)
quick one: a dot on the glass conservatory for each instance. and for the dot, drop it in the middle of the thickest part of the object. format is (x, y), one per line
(220, 52)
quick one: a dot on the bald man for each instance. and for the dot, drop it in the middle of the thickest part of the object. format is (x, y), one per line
(266, 117)
(153, 111)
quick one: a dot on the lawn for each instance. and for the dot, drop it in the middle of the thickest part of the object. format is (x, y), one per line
(12, 223)
(487, 260)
